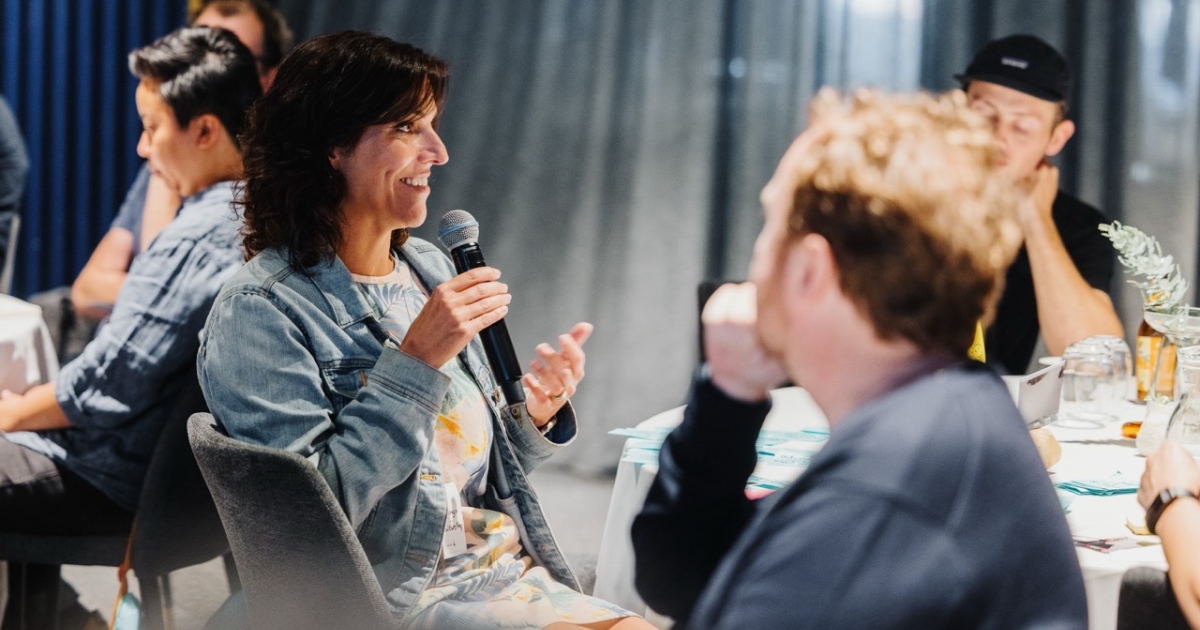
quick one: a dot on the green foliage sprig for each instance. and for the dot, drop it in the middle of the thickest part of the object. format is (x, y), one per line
(1157, 274)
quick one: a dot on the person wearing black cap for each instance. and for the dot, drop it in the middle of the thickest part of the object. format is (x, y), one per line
(1058, 285)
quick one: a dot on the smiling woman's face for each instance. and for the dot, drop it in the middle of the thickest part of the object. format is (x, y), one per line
(387, 173)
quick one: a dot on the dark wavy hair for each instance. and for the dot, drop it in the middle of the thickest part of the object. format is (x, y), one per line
(327, 92)
(201, 70)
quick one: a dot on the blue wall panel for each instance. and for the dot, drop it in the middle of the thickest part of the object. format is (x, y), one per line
(63, 69)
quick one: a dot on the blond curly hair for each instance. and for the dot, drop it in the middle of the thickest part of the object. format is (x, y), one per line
(921, 225)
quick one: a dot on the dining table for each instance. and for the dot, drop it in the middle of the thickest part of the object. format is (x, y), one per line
(27, 358)
(27, 355)
(1092, 450)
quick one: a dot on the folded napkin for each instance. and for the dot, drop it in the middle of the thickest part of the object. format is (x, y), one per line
(644, 453)
(766, 437)
(1100, 487)
(766, 483)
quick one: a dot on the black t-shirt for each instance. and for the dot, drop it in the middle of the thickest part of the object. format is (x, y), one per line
(1012, 337)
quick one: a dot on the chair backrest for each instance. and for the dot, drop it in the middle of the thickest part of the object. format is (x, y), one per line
(177, 523)
(8, 255)
(1147, 601)
(300, 562)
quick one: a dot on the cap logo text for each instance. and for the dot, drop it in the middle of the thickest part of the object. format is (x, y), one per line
(1016, 63)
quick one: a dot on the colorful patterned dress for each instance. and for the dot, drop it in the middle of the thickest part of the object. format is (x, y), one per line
(493, 583)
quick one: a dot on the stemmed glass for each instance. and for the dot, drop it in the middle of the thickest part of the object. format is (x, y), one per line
(1180, 327)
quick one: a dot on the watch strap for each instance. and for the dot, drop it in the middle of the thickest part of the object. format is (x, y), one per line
(1160, 503)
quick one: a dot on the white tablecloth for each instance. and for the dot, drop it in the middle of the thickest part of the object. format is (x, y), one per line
(1087, 454)
(27, 356)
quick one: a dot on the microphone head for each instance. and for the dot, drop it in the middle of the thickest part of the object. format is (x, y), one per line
(457, 228)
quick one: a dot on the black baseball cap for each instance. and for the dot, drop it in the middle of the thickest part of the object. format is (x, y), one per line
(1023, 63)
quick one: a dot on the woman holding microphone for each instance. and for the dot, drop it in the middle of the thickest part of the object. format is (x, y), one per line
(350, 343)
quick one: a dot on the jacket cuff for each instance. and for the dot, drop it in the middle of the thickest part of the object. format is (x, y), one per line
(410, 378)
(526, 436)
(718, 427)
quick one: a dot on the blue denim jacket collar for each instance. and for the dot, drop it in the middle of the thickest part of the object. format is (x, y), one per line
(347, 303)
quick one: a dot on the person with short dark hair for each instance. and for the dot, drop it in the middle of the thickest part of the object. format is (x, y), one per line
(259, 25)
(74, 312)
(1058, 284)
(74, 452)
(886, 239)
(355, 345)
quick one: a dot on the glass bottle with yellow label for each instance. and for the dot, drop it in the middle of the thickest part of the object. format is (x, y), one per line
(1149, 347)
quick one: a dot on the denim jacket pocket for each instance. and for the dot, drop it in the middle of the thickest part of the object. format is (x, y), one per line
(344, 378)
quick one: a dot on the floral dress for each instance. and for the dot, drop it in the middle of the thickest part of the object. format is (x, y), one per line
(486, 580)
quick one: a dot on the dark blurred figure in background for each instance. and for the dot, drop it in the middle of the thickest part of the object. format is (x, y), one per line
(73, 313)
(14, 165)
(259, 25)
(1058, 285)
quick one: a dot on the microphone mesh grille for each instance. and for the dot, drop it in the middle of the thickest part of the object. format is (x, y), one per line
(456, 228)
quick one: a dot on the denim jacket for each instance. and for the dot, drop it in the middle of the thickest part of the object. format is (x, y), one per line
(116, 394)
(295, 359)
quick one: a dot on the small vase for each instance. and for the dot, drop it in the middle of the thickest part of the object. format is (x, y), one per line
(1154, 427)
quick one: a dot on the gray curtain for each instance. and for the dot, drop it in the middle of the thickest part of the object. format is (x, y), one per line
(790, 49)
(613, 150)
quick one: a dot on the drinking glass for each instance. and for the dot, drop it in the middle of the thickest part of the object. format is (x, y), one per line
(1090, 382)
(1124, 363)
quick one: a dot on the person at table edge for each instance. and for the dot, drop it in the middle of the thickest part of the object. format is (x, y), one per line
(928, 506)
(1169, 490)
(14, 166)
(1059, 282)
(73, 452)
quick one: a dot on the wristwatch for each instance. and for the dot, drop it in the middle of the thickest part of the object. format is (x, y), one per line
(1165, 498)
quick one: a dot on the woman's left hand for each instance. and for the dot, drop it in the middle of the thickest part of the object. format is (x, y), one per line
(552, 378)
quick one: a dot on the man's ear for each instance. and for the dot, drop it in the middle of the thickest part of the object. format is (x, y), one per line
(1058, 138)
(206, 130)
(808, 268)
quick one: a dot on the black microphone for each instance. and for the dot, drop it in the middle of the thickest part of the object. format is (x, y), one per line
(459, 233)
